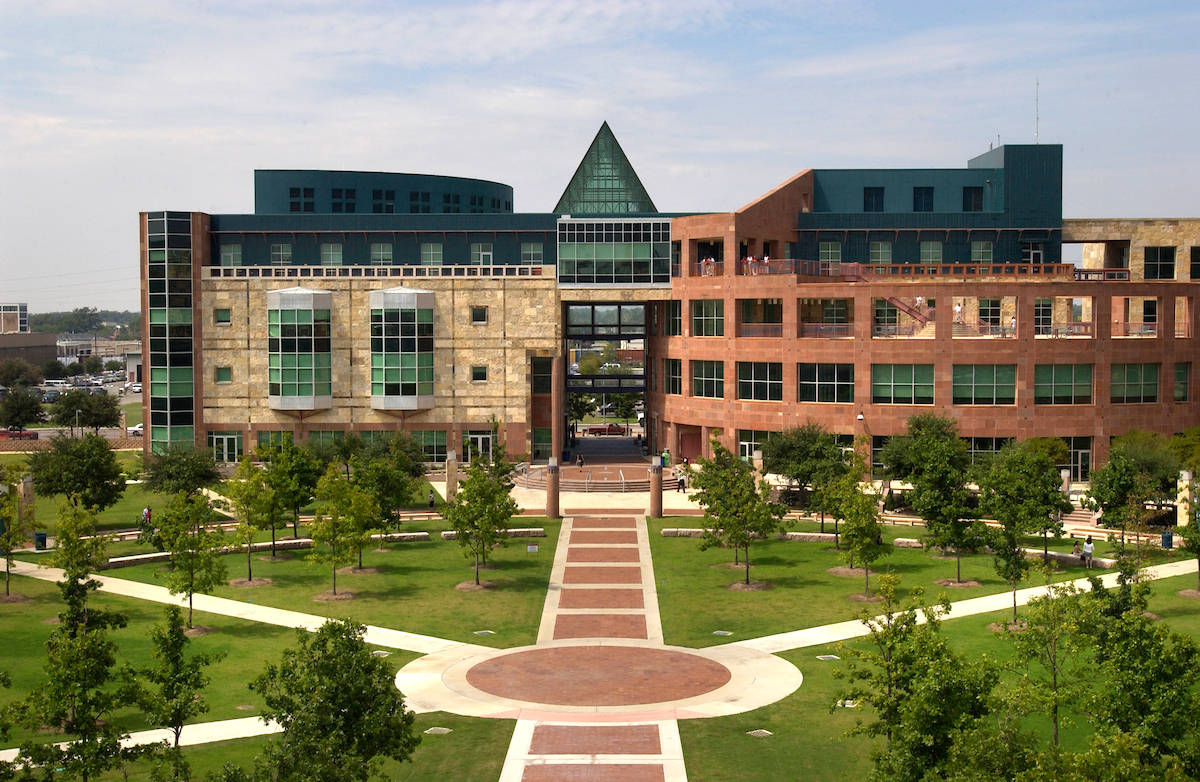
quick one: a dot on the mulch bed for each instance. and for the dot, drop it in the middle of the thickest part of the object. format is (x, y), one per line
(1153, 617)
(330, 597)
(950, 583)
(1000, 627)
(51, 620)
(244, 583)
(15, 598)
(859, 597)
(846, 572)
(244, 707)
(198, 630)
(1193, 594)
(275, 558)
(471, 586)
(483, 566)
(357, 571)
(753, 586)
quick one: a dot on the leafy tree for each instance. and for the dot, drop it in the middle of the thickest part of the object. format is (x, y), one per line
(1050, 652)
(346, 515)
(293, 473)
(53, 370)
(100, 410)
(93, 365)
(480, 511)
(1190, 543)
(85, 469)
(1153, 455)
(624, 406)
(1119, 490)
(20, 408)
(194, 545)
(389, 471)
(580, 406)
(180, 467)
(993, 748)
(338, 706)
(18, 372)
(178, 683)
(113, 365)
(590, 364)
(255, 505)
(933, 458)
(737, 506)
(16, 522)
(859, 511)
(807, 456)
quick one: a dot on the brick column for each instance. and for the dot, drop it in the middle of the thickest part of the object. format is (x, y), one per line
(552, 476)
(558, 393)
(656, 478)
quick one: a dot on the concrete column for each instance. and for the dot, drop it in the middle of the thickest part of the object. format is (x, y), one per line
(552, 511)
(656, 479)
(1184, 507)
(558, 394)
(451, 474)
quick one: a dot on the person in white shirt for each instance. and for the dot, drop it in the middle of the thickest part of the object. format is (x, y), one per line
(1088, 548)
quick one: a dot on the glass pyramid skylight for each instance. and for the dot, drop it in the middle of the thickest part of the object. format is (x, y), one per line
(605, 182)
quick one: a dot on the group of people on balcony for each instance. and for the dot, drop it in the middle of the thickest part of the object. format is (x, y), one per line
(709, 267)
(752, 265)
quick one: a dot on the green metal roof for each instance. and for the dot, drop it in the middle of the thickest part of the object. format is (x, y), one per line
(605, 182)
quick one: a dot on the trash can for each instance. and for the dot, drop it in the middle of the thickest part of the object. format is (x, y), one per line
(39, 541)
(1168, 539)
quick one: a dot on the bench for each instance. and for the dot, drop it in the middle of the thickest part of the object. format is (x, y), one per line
(520, 532)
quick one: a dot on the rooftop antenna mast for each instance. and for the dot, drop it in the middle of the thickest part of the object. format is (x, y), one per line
(1037, 114)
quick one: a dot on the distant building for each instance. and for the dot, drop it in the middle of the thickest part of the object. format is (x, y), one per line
(14, 318)
(37, 349)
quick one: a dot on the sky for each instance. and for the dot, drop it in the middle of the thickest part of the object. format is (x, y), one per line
(111, 108)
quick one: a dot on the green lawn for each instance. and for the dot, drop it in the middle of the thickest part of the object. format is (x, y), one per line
(133, 413)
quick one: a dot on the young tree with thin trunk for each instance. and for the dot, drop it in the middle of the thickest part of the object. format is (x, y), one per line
(255, 505)
(853, 500)
(810, 458)
(293, 474)
(180, 467)
(345, 517)
(483, 507)
(194, 545)
(16, 522)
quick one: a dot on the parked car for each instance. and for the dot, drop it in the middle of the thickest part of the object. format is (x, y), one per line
(609, 429)
(98, 390)
(136, 430)
(136, 388)
(50, 395)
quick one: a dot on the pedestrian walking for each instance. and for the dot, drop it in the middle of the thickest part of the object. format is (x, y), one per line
(1088, 549)
(431, 499)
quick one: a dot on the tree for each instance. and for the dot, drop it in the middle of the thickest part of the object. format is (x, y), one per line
(16, 522)
(1021, 490)
(67, 410)
(180, 467)
(390, 474)
(84, 469)
(590, 364)
(343, 523)
(113, 365)
(78, 696)
(1153, 455)
(53, 370)
(255, 505)
(20, 408)
(579, 407)
(195, 547)
(293, 473)
(18, 372)
(624, 406)
(737, 506)
(178, 681)
(1190, 534)
(808, 456)
(93, 365)
(933, 458)
(1118, 489)
(338, 706)
(100, 410)
(480, 511)
(859, 511)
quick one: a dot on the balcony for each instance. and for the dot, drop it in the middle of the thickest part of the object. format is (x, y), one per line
(1135, 330)
(1077, 330)
(982, 330)
(770, 330)
(754, 267)
(707, 269)
(1101, 275)
(911, 330)
(827, 330)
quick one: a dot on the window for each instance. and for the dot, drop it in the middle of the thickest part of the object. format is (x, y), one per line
(760, 380)
(989, 312)
(972, 199)
(834, 311)
(381, 255)
(331, 255)
(327, 436)
(1182, 372)
(708, 318)
(221, 317)
(479, 315)
(887, 318)
(750, 441)
(402, 352)
(672, 376)
(309, 192)
(543, 375)
(231, 255)
(881, 252)
(982, 448)
(433, 441)
(1195, 263)
(1062, 384)
(981, 252)
(478, 374)
(829, 255)
(481, 254)
(1032, 252)
(273, 438)
(902, 384)
(431, 254)
(872, 199)
(931, 252)
(1160, 263)
(281, 254)
(1134, 383)
(531, 253)
(826, 382)
(985, 384)
(543, 442)
(708, 379)
(1150, 311)
(224, 374)
(922, 199)
(298, 353)
(1043, 316)
(674, 318)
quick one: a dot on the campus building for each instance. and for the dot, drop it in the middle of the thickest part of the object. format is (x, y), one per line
(373, 302)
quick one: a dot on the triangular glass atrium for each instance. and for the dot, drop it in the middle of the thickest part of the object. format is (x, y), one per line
(605, 182)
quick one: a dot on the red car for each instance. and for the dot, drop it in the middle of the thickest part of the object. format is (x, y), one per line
(608, 429)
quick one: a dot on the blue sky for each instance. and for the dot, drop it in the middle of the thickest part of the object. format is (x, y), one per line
(107, 108)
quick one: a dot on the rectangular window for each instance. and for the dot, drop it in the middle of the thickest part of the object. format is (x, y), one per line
(331, 255)
(872, 199)
(887, 318)
(972, 199)
(1043, 316)
(931, 252)
(922, 199)
(543, 442)
(1150, 311)
(381, 255)
(826, 382)
(674, 318)
(989, 312)
(1032, 252)
(1062, 384)
(273, 438)
(431, 254)
(708, 318)
(985, 384)
(231, 255)
(402, 352)
(1183, 372)
(760, 380)
(1195, 270)
(481, 254)
(881, 252)
(708, 379)
(299, 352)
(1134, 383)
(478, 374)
(672, 376)
(834, 311)
(982, 448)
(829, 257)
(221, 317)
(224, 374)
(1160, 263)
(479, 315)
(531, 253)
(281, 254)
(543, 375)
(433, 442)
(902, 384)
(981, 252)
(750, 441)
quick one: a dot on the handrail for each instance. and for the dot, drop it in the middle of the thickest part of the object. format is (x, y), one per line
(707, 269)
(408, 270)
(826, 329)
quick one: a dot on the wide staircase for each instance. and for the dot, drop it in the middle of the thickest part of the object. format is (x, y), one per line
(610, 464)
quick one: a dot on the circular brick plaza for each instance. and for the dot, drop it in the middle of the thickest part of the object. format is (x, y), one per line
(587, 676)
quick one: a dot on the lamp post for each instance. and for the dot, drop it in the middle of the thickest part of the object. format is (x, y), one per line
(77, 412)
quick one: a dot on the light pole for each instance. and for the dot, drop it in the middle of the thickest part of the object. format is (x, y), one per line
(77, 412)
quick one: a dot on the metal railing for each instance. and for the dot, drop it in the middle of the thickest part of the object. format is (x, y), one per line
(707, 269)
(1121, 329)
(214, 272)
(899, 331)
(827, 330)
(757, 266)
(870, 272)
(1064, 331)
(760, 330)
(984, 330)
(1101, 275)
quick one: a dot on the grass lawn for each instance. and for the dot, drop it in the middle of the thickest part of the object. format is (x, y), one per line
(133, 413)
(415, 590)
